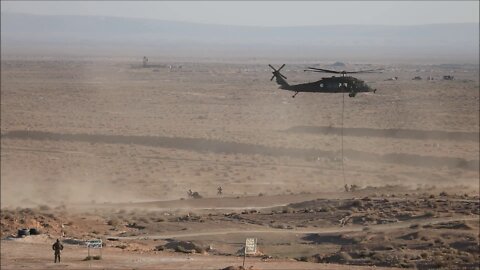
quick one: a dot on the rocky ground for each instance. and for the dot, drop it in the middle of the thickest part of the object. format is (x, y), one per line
(413, 229)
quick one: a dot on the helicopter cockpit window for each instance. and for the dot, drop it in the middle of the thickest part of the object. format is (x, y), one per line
(321, 85)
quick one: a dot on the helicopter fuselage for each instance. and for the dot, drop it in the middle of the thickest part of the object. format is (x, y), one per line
(344, 84)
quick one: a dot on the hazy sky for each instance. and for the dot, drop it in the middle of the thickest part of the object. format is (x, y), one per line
(265, 13)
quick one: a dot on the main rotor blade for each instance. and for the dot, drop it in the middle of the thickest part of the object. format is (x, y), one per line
(364, 71)
(281, 67)
(326, 70)
(312, 69)
(272, 78)
(282, 76)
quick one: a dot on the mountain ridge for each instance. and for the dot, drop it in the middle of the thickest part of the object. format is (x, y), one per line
(50, 31)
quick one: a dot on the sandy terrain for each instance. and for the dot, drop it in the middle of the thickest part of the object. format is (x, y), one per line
(104, 149)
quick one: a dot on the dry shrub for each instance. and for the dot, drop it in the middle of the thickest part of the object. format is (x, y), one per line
(7, 216)
(144, 220)
(340, 257)
(357, 203)
(61, 207)
(282, 226)
(352, 204)
(429, 214)
(288, 210)
(185, 247)
(414, 226)
(89, 258)
(113, 222)
(468, 258)
(44, 207)
(26, 211)
(233, 268)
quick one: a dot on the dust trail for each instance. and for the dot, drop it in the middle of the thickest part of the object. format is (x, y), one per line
(217, 146)
(389, 133)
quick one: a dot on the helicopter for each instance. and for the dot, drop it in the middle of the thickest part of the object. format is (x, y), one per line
(341, 84)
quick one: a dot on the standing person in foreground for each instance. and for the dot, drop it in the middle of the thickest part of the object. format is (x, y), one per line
(57, 247)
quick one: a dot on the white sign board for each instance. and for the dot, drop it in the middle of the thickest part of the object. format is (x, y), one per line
(251, 246)
(94, 243)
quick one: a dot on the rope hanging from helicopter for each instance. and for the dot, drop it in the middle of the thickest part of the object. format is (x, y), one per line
(343, 160)
(351, 94)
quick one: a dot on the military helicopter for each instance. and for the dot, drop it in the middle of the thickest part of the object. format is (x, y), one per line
(341, 84)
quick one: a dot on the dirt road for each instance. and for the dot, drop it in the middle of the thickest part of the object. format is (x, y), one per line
(328, 230)
(38, 255)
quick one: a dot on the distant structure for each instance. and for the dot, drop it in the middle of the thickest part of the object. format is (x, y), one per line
(145, 61)
(174, 67)
(392, 79)
(338, 64)
(448, 77)
(417, 78)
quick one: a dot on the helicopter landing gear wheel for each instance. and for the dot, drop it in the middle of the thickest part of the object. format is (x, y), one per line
(294, 94)
(352, 94)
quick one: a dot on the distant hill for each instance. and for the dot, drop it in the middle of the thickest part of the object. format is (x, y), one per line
(22, 33)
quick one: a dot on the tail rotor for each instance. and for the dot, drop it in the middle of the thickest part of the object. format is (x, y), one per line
(276, 72)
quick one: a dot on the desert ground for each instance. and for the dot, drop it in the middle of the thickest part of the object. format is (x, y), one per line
(104, 148)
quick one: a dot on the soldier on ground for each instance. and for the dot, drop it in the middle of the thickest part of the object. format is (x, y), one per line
(57, 247)
(219, 191)
(346, 188)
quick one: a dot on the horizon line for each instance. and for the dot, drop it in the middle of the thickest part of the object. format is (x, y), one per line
(232, 25)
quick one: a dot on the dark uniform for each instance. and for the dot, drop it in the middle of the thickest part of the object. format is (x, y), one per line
(57, 247)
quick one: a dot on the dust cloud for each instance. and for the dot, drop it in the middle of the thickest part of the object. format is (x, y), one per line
(109, 131)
